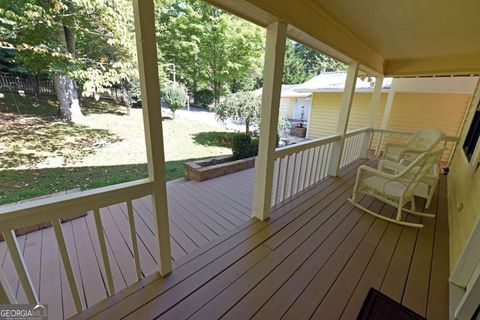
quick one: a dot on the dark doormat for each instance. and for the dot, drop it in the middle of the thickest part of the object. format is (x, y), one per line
(378, 306)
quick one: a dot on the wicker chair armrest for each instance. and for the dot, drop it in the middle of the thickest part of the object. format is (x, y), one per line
(390, 167)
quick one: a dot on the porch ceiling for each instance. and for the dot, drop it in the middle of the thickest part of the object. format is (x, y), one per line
(397, 38)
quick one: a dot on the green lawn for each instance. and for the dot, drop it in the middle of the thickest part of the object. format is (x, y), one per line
(35, 136)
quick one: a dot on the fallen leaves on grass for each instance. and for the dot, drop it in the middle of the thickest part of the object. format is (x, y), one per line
(25, 142)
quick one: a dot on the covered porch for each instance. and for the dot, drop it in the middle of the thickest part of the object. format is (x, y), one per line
(111, 253)
(316, 257)
(306, 252)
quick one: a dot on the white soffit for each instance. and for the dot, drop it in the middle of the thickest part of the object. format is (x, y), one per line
(436, 84)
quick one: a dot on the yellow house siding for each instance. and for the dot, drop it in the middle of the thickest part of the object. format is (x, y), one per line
(324, 114)
(361, 108)
(326, 108)
(410, 111)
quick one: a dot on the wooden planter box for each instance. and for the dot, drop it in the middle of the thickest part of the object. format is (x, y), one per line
(202, 170)
(298, 132)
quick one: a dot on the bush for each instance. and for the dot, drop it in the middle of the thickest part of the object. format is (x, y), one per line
(175, 96)
(254, 147)
(241, 146)
(205, 97)
(244, 146)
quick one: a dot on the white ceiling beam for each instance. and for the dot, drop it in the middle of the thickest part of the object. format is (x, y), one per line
(431, 66)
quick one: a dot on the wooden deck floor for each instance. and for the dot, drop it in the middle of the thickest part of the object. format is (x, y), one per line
(199, 213)
(316, 257)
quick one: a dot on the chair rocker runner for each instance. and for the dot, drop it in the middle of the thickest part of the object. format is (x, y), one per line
(423, 140)
(395, 185)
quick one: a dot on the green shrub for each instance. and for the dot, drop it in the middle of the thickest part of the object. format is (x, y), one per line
(205, 97)
(241, 146)
(254, 147)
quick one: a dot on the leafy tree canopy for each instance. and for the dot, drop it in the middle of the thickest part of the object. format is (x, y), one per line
(101, 52)
(209, 46)
(244, 106)
(303, 63)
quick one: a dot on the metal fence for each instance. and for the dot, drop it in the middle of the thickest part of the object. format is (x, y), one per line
(14, 83)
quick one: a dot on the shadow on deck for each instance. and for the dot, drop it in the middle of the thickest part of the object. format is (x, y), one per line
(316, 257)
(198, 214)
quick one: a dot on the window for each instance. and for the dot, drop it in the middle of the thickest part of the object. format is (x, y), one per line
(473, 135)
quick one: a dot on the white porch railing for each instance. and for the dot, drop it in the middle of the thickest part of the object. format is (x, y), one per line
(61, 207)
(382, 136)
(299, 166)
(352, 148)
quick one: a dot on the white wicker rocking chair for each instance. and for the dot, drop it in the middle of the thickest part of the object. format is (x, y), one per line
(426, 187)
(395, 185)
(423, 140)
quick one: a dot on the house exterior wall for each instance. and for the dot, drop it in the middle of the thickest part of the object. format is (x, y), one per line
(410, 111)
(287, 106)
(326, 109)
(463, 204)
(463, 196)
(306, 103)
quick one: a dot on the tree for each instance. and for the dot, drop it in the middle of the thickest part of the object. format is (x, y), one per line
(294, 70)
(244, 105)
(180, 28)
(303, 63)
(88, 43)
(316, 62)
(175, 96)
(231, 51)
(208, 45)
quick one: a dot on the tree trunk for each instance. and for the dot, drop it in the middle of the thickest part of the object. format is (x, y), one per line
(247, 127)
(194, 91)
(216, 93)
(67, 95)
(65, 87)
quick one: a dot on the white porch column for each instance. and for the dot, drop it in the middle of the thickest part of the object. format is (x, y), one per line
(342, 124)
(386, 116)
(152, 120)
(377, 91)
(272, 87)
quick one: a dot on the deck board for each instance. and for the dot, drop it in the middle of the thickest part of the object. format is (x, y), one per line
(316, 257)
(217, 249)
(437, 305)
(416, 289)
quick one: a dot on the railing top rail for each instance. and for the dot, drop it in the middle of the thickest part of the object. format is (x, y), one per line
(409, 133)
(308, 144)
(356, 131)
(64, 206)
